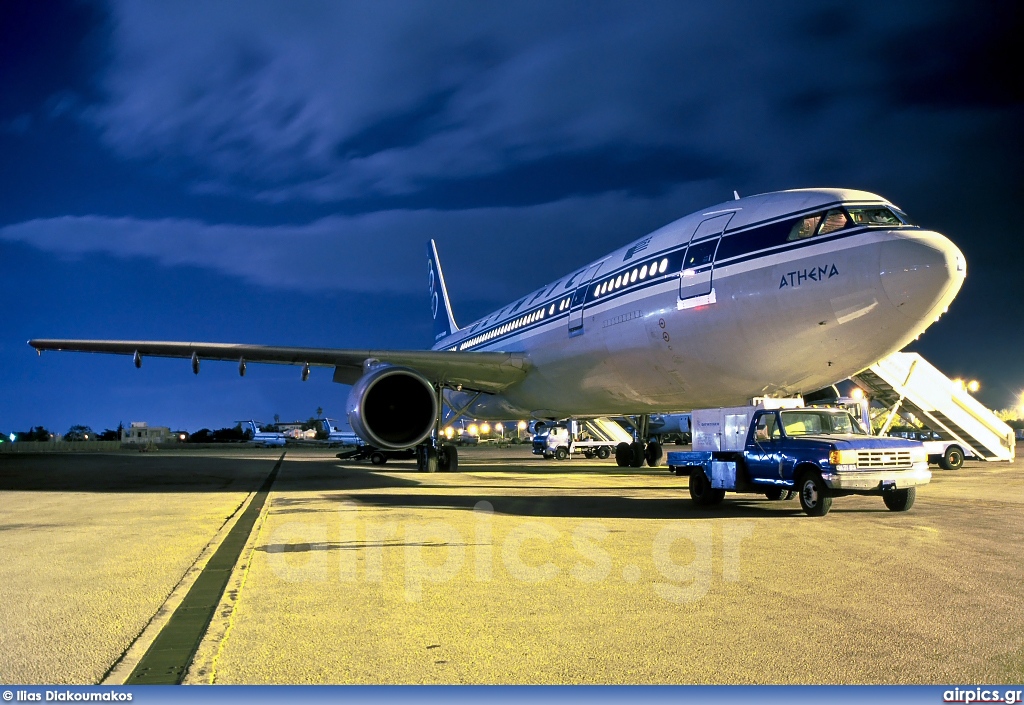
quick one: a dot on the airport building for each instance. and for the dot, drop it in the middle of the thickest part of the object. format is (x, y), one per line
(142, 433)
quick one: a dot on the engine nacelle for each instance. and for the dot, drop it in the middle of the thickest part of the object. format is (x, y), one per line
(392, 408)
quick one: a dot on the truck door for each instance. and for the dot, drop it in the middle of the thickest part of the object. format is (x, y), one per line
(764, 448)
(579, 299)
(699, 260)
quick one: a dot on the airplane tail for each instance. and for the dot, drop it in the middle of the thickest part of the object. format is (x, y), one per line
(440, 306)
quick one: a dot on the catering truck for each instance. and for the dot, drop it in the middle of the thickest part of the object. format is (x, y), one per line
(778, 447)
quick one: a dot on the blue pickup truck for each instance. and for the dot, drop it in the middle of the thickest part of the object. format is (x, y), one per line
(813, 453)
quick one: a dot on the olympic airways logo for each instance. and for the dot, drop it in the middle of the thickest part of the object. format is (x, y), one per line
(433, 291)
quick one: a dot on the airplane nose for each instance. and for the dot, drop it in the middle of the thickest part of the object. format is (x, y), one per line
(921, 271)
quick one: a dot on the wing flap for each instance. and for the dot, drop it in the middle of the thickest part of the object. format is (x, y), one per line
(478, 371)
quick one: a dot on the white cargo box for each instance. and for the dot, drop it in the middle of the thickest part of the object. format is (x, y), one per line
(725, 429)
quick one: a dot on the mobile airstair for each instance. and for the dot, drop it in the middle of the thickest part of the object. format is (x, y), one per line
(907, 383)
(605, 429)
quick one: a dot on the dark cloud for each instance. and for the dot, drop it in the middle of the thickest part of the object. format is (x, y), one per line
(257, 151)
(967, 57)
(47, 48)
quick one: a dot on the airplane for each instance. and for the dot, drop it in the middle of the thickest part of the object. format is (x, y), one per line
(337, 435)
(267, 439)
(776, 294)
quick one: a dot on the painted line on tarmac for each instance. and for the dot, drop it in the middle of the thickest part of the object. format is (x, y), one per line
(168, 657)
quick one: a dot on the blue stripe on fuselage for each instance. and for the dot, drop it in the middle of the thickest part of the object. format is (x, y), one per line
(762, 239)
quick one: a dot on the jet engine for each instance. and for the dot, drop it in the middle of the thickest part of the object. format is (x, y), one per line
(392, 407)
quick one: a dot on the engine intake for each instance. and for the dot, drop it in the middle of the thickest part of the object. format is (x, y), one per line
(392, 408)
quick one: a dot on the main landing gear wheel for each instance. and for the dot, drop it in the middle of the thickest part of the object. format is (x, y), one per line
(426, 458)
(701, 491)
(900, 500)
(448, 458)
(952, 459)
(653, 454)
(604, 452)
(814, 499)
(623, 455)
(636, 453)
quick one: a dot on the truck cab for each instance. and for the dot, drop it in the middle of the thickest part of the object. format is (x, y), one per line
(817, 453)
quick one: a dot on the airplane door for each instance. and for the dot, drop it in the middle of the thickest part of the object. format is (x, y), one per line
(579, 300)
(699, 261)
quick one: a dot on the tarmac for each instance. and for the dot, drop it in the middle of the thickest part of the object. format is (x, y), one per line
(513, 570)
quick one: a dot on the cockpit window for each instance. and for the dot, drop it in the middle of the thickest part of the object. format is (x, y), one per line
(805, 227)
(835, 219)
(874, 216)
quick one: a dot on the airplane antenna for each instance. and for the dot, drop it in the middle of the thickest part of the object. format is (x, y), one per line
(736, 195)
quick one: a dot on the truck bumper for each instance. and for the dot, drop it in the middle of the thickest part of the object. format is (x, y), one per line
(878, 480)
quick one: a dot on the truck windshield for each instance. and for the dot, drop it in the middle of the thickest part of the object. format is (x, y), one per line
(803, 422)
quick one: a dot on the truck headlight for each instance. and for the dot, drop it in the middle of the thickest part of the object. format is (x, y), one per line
(918, 455)
(843, 457)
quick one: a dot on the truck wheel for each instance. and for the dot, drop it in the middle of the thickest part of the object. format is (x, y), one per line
(900, 500)
(561, 453)
(636, 453)
(604, 452)
(701, 491)
(378, 458)
(814, 499)
(653, 454)
(623, 455)
(952, 459)
(588, 454)
(448, 458)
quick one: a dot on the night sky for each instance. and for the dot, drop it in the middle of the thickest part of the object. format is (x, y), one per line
(269, 172)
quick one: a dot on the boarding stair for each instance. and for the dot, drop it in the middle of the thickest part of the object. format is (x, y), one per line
(605, 429)
(907, 383)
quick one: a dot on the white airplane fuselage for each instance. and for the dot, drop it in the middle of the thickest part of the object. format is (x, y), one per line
(764, 315)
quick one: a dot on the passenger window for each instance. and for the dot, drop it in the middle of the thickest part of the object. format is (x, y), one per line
(874, 216)
(835, 219)
(805, 227)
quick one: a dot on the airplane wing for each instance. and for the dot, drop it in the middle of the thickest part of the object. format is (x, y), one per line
(477, 371)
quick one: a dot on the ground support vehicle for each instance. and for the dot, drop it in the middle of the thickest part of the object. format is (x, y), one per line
(377, 456)
(906, 383)
(594, 438)
(817, 453)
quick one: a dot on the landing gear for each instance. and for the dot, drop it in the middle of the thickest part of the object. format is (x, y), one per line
(448, 458)
(636, 454)
(426, 458)
(653, 454)
(623, 455)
